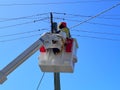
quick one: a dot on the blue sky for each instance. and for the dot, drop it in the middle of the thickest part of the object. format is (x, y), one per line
(98, 66)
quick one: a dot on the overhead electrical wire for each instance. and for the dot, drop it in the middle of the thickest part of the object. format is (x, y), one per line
(23, 37)
(103, 24)
(102, 38)
(19, 24)
(112, 15)
(90, 22)
(24, 17)
(40, 81)
(96, 15)
(52, 3)
(106, 33)
(8, 40)
(6, 35)
(110, 0)
(88, 16)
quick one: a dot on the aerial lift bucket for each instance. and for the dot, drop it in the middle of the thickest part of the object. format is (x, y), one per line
(63, 61)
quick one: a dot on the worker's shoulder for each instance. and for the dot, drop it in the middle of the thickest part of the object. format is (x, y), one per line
(65, 29)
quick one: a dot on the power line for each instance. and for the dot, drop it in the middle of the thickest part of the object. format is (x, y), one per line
(91, 22)
(106, 33)
(24, 17)
(51, 3)
(102, 38)
(96, 15)
(23, 23)
(103, 24)
(40, 81)
(7, 40)
(113, 15)
(88, 16)
(23, 32)
(102, 17)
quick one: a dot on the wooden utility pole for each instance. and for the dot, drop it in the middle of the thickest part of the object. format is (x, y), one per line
(56, 74)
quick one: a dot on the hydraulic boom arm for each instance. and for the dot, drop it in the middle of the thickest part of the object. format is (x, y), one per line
(19, 60)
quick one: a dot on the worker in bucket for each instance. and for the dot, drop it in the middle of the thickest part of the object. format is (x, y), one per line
(63, 27)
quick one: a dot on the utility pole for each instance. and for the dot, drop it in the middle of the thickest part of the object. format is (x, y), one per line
(56, 74)
(51, 20)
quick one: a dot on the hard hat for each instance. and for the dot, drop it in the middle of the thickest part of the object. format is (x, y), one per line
(62, 25)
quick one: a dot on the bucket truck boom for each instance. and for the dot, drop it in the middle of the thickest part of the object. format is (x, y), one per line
(22, 57)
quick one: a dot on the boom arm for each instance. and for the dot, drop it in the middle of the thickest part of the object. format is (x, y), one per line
(19, 60)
